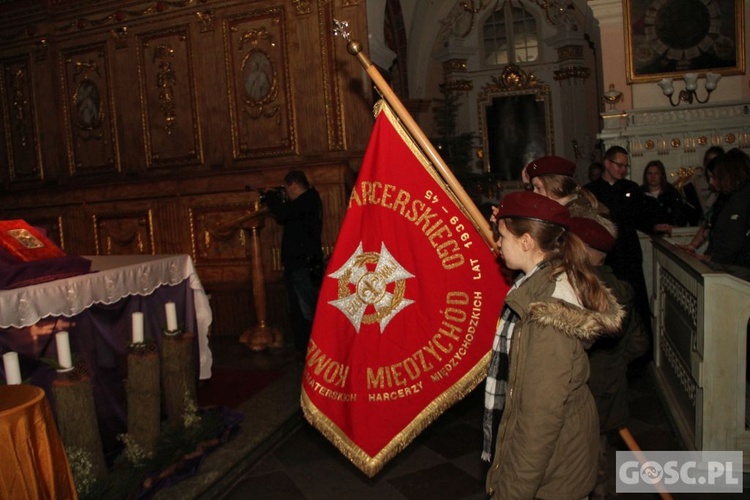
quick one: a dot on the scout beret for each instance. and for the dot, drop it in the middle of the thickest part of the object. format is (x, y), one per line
(529, 205)
(550, 165)
(592, 233)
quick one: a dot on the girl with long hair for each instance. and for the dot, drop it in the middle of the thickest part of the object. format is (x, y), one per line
(546, 441)
(664, 198)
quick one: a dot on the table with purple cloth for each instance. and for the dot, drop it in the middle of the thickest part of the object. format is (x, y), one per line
(96, 309)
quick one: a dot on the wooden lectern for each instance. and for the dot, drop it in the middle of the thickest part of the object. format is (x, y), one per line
(262, 335)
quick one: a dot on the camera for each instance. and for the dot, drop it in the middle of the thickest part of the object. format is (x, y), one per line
(272, 195)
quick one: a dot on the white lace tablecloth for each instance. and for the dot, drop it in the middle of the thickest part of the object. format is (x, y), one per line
(112, 278)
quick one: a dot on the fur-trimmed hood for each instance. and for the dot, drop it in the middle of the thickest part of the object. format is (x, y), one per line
(549, 300)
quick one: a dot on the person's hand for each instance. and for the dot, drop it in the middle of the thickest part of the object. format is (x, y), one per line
(495, 211)
(525, 177)
(663, 228)
(702, 257)
(48, 326)
(687, 248)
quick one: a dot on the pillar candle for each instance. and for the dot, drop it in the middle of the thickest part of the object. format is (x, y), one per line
(171, 316)
(63, 350)
(137, 327)
(12, 370)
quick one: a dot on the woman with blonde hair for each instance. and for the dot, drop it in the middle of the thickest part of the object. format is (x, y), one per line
(665, 200)
(546, 444)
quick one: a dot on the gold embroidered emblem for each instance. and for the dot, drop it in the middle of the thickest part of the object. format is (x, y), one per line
(371, 296)
(25, 238)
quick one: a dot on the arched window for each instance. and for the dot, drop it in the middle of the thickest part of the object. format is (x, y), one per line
(510, 36)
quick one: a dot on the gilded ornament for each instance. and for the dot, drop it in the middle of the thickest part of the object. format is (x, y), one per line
(453, 65)
(511, 78)
(301, 7)
(570, 52)
(165, 82)
(41, 49)
(121, 37)
(459, 85)
(206, 20)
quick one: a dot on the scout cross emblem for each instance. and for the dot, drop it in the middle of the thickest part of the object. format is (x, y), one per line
(382, 288)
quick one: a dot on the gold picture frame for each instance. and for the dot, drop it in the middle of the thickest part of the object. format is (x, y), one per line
(668, 38)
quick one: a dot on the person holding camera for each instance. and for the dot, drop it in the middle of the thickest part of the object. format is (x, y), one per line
(301, 214)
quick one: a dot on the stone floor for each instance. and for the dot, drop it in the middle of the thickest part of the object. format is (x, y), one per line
(277, 455)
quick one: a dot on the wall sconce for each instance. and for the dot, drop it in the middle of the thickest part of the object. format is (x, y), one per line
(688, 94)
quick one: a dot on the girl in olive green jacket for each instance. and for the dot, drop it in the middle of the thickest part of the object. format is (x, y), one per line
(546, 445)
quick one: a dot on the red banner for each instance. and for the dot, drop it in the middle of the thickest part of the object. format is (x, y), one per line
(407, 309)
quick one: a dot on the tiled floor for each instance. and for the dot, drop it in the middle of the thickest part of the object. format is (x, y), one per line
(442, 463)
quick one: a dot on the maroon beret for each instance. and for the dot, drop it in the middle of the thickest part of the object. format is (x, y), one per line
(550, 165)
(592, 233)
(529, 205)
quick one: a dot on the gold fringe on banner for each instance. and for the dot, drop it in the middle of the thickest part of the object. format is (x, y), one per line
(372, 465)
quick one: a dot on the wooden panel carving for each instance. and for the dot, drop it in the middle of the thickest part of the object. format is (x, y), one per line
(124, 233)
(331, 90)
(22, 149)
(88, 108)
(171, 125)
(260, 104)
(214, 244)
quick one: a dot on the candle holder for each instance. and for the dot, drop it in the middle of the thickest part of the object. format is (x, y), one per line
(75, 373)
(70, 373)
(174, 333)
(177, 373)
(76, 416)
(144, 395)
(142, 348)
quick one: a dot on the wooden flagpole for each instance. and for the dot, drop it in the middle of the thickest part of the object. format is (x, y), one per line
(633, 446)
(355, 48)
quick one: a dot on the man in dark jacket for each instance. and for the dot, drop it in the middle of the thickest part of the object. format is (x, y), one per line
(629, 210)
(301, 252)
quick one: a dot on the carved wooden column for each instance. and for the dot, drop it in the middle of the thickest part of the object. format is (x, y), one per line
(262, 335)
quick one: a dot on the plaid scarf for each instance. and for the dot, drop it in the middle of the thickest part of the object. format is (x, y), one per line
(496, 385)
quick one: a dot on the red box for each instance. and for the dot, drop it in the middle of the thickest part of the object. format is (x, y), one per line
(25, 242)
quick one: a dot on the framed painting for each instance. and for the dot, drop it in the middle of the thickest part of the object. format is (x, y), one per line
(668, 38)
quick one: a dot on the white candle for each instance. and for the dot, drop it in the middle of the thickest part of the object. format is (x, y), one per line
(63, 350)
(137, 327)
(171, 316)
(12, 370)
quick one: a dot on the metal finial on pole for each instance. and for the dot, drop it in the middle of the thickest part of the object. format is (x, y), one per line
(341, 28)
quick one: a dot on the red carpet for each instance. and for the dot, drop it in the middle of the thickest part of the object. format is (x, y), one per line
(232, 387)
